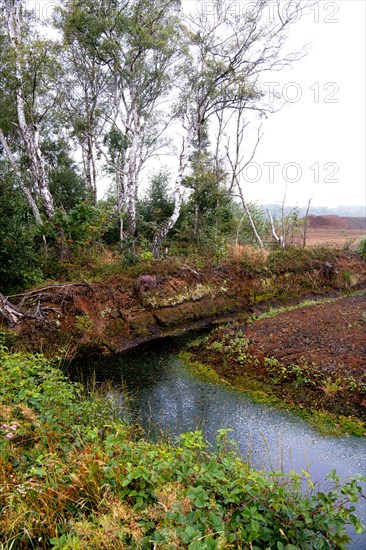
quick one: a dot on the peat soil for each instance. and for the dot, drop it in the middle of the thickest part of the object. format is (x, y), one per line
(166, 297)
(312, 356)
(331, 336)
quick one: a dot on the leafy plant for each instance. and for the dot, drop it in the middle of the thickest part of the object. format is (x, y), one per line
(84, 323)
(361, 249)
(74, 476)
(19, 257)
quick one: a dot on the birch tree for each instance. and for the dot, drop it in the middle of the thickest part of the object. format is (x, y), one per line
(135, 42)
(30, 59)
(226, 55)
(86, 101)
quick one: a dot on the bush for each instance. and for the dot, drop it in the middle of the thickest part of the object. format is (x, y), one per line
(296, 259)
(252, 259)
(75, 477)
(361, 249)
(18, 253)
(73, 238)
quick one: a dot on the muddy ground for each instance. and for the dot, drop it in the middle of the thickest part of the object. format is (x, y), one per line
(331, 336)
(164, 297)
(313, 357)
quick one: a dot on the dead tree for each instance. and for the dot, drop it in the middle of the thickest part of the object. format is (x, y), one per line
(9, 312)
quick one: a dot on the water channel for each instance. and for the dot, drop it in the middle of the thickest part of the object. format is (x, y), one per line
(167, 400)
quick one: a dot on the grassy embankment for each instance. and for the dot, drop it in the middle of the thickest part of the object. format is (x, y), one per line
(74, 476)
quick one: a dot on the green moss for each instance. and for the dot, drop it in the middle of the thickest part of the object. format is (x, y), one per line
(325, 422)
(84, 324)
(261, 391)
(331, 424)
(187, 293)
(201, 371)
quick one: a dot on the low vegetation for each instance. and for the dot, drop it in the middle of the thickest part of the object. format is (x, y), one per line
(279, 356)
(361, 249)
(73, 475)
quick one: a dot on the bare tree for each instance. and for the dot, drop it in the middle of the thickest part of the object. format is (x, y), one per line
(238, 164)
(225, 56)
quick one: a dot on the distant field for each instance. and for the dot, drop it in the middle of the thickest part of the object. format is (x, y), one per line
(340, 237)
(338, 230)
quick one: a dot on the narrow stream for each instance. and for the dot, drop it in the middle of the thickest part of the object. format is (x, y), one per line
(166, 399)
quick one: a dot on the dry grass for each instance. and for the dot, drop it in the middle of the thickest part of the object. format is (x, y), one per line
(339, 237)
(240, 253)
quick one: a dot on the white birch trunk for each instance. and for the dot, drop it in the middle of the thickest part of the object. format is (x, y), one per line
(132, 186)
(279, 239)
(178, 196)
(29, 132)
(250, 218)
(90, 168)
(132, 175)
(26, 192)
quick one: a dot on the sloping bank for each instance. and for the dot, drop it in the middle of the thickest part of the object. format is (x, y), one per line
(74, 476)
(155, 299)
(309, 357)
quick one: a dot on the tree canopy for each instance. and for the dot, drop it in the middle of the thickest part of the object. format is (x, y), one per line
(103, 91)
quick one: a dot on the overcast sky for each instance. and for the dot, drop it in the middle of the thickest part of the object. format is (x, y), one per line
(314, 147)
(318, 137)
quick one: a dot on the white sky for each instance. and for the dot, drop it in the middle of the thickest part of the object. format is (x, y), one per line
(325, 127)
(313, 129)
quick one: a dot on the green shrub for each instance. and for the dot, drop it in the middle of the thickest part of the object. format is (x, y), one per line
(76, 477)
(19, 259)
(296, 259)
(361, 249)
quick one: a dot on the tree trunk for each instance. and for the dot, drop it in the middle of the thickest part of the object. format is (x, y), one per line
(251, 221)
(196, 217)
(29, 133)
(90, 169)
(24, 188)
(132, 172)
(178, 198)
(9, 312)
(279, 239)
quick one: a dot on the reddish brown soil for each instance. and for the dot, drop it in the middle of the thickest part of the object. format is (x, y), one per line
(129, 308)
(331, 336)
(314, 356)
(339, 230)
(337, 222)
